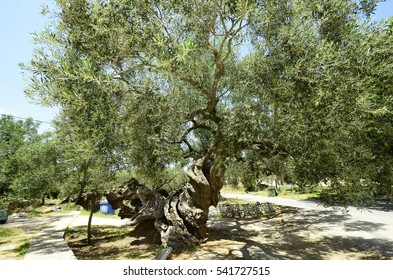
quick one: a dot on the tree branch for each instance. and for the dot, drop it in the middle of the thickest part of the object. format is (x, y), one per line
(269, 149)
(191, 81)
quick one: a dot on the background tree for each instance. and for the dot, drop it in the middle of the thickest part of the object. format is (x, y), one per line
(31, 163)
(40, 169)
(90, 169)
(13, 135)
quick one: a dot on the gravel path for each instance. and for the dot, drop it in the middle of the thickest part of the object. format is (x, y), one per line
(375, 222)
(305, 230)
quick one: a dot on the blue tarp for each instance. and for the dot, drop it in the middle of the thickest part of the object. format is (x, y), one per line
(106, 208)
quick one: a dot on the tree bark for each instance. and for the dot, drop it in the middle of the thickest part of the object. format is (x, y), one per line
(92, 209)
(43, 200)
(181, 217)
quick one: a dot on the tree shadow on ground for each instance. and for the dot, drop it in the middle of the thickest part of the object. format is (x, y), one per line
(32, 225)
(43, 243)
(110, 243)
(385, 205)
(291, 234)
(295, 235)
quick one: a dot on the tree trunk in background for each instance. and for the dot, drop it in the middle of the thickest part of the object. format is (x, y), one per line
(43, 199)
(92, 209)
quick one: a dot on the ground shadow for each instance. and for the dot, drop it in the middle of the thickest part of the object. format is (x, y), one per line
(300, 235)
(385, 205)
(290, 234)
(110, 243)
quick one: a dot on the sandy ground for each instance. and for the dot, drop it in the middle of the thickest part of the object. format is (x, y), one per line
(292, 234)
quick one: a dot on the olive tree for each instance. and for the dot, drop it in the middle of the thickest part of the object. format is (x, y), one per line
(173, 83)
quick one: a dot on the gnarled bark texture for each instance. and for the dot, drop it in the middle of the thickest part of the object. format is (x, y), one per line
(180, 217)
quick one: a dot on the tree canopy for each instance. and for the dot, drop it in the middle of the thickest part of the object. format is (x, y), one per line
(300, 89)
(29, 160)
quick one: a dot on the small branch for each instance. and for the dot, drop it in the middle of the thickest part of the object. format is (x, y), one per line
(165, 183)
(269, 149)
(191, 81)
(158, 16)
(212, 22)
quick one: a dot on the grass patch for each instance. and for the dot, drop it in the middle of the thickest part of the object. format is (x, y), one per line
(48, 209)
(235, 201)
(40, 211)
(7, 232)
(230, 189)
(23, 247)
(286, 191)
(18, 243)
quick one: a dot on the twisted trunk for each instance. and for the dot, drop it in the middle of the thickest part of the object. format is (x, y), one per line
(180, 218)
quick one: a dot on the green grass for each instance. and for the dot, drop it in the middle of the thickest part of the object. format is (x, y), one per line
(287, 191)
(23, 247)
(48, 209)
(15, 237)
(235, 201)
(7, 232)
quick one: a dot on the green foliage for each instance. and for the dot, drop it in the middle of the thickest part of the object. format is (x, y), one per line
(13, 136)
(315, 63)
(39, 169)
(352, 193)
(144, 86)
(30, 166)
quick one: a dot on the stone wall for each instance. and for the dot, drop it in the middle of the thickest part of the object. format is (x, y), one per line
(246, 211)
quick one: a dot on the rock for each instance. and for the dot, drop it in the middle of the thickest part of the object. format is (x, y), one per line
(246, 211)
(164, 254)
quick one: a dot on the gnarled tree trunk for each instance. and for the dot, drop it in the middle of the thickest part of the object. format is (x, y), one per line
(180, 217)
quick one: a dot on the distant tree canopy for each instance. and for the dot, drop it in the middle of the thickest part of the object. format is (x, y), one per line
(28, 160)
(300, 89)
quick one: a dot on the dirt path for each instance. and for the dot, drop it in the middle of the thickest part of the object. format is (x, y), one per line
(294, 234)
(374, 222)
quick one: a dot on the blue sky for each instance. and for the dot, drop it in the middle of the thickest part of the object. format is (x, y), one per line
(20, 18)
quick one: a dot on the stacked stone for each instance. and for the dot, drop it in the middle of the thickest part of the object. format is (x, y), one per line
(246, 211)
